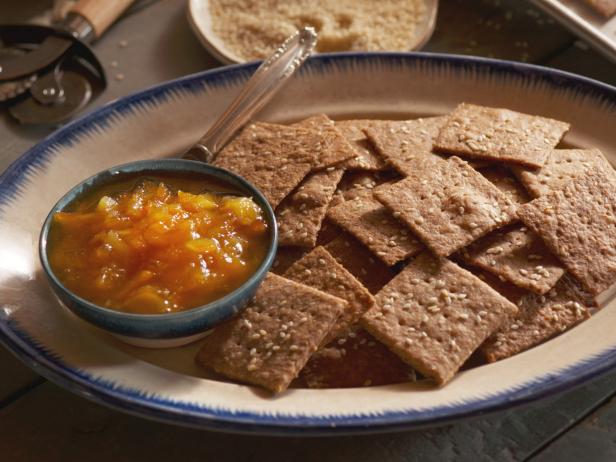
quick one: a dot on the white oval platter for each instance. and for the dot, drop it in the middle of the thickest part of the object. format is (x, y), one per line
(163, 121)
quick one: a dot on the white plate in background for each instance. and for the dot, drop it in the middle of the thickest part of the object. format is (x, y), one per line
(200, 20)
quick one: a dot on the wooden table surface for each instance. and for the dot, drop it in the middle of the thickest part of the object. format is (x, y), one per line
(41, 422)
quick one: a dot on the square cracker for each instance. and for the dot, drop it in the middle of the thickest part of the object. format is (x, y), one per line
(301, 213)
(360, 262)
(578, 224)
(518, 255)
(606, 7)
(320, 270)
(447, 203)
(503, 179)
(434, 314)
(285, 257)
(367, 157)
(511, 292)
(330, 145)
(272, 339)
(355, 359)
(274, 158)
(361, 183)
(499, 134)
(561, 167)
(376, 227)
(401, 141)
(540, 318)
(328, 232)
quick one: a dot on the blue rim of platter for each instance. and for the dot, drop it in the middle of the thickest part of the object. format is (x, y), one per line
(136, 402)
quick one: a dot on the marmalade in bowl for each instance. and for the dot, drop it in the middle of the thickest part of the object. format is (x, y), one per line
(158, 245)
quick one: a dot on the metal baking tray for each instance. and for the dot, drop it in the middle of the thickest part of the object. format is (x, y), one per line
(582, 20)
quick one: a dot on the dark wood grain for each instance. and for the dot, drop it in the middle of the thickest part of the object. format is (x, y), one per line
(505, 29)
(50, 424)
(53, 425)
(14, 377)
(593, 439)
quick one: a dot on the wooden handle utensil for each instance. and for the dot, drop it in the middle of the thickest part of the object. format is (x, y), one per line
(100, 13)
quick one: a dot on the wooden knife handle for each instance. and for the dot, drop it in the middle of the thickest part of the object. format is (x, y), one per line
(100, 13)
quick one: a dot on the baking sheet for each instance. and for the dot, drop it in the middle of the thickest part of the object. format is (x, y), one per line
(582, 20)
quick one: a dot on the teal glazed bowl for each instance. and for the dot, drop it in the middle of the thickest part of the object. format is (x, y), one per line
(168, 329)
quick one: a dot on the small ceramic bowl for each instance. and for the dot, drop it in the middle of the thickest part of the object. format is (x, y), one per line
(169, 329)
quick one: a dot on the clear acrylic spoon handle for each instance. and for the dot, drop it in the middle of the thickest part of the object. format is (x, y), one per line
(259, 89)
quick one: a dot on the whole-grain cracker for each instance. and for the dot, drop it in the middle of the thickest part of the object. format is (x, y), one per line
(331, 146)
(367, 157)
(561, 167)
(285, 257)
(503, 179)
(355, 359)
(355, 184)
(319, 269)
(361, 183)
(401, 141)
(447, 203)
(511, 292)
(376, 227)
(479, 164)
(274, 158)
(328, 232)
(272, 339)
(578, 224)
(518, 255)
(540, 317)
(301, 213)
(499, 134)
(360, 262)
(434, 314)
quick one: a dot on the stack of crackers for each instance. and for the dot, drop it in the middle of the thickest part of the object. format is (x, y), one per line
(408, 246)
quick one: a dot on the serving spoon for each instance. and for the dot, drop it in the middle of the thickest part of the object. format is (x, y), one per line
(256, 93)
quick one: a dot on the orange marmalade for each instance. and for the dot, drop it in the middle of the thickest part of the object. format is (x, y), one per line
(154, 247)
